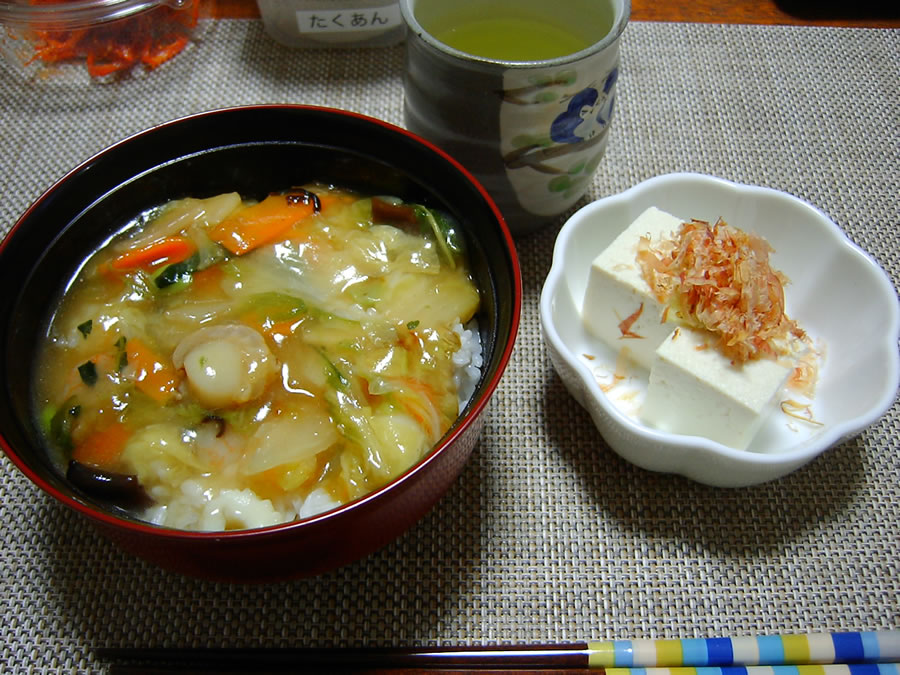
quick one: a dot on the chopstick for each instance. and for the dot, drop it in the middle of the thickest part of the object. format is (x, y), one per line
(267, 669)
(852, 653)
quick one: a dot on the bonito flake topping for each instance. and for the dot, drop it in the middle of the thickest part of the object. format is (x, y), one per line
(718, 278)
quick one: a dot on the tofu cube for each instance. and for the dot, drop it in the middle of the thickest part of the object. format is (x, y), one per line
(695, 390)
(616, 290)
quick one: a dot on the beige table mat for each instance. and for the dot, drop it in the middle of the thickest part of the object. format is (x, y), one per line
(547, 535)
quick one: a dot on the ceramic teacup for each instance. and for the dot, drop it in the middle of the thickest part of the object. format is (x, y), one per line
(529, 122)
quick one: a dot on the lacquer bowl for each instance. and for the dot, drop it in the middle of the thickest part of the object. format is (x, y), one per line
(251, 150)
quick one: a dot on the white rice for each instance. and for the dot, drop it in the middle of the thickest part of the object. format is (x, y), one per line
(468, 361)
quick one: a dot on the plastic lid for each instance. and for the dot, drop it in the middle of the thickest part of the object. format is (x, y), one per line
(80, 12)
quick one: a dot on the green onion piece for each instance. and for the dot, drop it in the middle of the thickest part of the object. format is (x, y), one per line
(61, 424)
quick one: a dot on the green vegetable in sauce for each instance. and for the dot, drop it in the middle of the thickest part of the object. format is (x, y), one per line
(178, 273)
(123, 354)
(442, 226)
(182, 273)
(431, 222)
(61, 424)
(274, 305)
(88, 372)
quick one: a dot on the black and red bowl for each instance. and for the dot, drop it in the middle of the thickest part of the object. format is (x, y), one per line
(252, 150)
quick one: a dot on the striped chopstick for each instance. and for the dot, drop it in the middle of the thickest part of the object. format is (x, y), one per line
(770, 650)
(808, 669)
(864, 653)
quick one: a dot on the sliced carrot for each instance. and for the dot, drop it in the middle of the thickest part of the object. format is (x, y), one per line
(281, 330)
(166, 251)
(154, 375)
(207, 281)
(102, 448)
(260, 224)
(106, 271)
(330, 199)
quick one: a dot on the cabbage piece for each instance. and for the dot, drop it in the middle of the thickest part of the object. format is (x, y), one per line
(429, 301)
(161, 455)
(288, 440)
(180, 215)
(402, 438)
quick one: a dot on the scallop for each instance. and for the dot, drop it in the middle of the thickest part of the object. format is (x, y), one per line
(226, 365)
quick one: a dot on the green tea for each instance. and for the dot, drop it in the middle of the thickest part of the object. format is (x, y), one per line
(512, 39)
(519, 31)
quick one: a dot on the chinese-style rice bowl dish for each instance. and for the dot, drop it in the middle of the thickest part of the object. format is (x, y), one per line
(227, 363)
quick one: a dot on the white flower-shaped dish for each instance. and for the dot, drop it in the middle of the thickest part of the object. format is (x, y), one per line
(837, 293)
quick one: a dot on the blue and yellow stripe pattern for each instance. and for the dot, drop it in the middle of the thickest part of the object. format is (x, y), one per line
(812, 669)
(777, 650)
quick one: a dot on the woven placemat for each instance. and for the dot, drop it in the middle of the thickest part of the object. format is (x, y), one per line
(547, 535)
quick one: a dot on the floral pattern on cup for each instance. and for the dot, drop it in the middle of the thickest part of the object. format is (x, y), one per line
(555, 130)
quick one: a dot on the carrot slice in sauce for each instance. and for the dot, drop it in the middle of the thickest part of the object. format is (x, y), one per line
(154, 375)
(261, 223)
(156, 254)
(102, 448)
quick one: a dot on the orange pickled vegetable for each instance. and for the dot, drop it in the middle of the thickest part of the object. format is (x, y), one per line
(150, 37)
(163, 52)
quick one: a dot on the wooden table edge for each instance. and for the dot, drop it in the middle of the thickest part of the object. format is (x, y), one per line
(753, 12)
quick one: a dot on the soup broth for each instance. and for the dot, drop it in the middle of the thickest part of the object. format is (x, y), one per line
(227, 364)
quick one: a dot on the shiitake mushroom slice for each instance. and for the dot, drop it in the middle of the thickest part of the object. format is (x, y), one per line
(117, 488)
